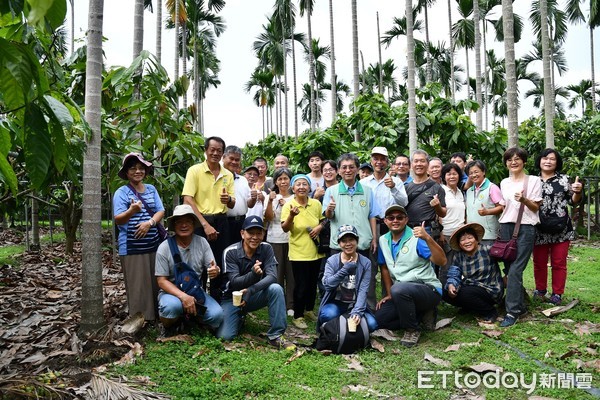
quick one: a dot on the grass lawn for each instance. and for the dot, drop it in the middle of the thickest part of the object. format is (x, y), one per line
(247, 368)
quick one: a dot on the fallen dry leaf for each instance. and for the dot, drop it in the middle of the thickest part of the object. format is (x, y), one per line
(377, 346)
(201, 352)
(385, 334)
(548, 354)
(492, 333)
(442, 323)
(569, 354)
(177, 338)
(435, 360)
(354, 364)
(133, 324)
(452, 347)
(485, 367)
(586, 328)
(299, 353)
(486, 325)
(594, 364)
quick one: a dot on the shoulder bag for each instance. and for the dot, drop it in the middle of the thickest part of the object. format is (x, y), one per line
(506, 250)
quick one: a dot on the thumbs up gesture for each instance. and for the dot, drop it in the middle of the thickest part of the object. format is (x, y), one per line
(577, 186)
(319, 192)
(272, 194)
(254, 192)
(482, 211)
(225, 196)
(213, 270)
(331, 205)
(389, 182)
(420, 232)
(435, 201)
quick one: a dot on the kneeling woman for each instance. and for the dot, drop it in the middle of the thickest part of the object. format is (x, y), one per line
(474, 279)
(346, 281)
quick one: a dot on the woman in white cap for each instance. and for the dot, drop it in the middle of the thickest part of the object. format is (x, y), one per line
(138, 209)
(474, 280)
(302, 217)
(346, 281)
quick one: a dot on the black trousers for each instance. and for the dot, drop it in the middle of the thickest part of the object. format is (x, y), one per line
(218, 246)
(306, 274)
(474, 299)
(409, 302)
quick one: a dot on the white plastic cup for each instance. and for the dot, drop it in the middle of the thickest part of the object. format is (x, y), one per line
(237, 297)
(351, 325)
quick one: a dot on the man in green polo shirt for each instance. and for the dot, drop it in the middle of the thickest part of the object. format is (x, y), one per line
(413, 291)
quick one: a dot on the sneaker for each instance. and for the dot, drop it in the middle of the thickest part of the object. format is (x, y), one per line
(282, 344)
(410, 338)
(310, 315)
(509, 320)
(428, 320)
(555, 299)
(290, 313)
(300, 323)
(539, 295)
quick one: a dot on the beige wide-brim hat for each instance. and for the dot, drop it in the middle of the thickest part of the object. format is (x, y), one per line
(180, 211)
(123, 171)
(454, 239)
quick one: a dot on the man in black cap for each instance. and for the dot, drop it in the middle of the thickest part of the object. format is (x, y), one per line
(251, 268)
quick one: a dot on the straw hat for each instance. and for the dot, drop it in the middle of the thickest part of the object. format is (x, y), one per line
(454, 239)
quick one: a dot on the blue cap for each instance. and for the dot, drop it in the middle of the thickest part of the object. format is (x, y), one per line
(253, 222)
(300, 176)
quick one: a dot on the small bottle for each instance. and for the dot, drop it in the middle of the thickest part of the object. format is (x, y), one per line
(315, 240)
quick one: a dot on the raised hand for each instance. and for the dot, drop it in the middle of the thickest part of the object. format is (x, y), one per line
(331, 205)
(257, 268)
(420, 232)
(213, 270)
(389, 182)
(482, 211)
(435, 201)
(319, 192)
(577, 186)
(224, 196)
(136, 206)
(254, 192)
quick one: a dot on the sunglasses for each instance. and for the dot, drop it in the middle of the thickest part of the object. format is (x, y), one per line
(396, 217)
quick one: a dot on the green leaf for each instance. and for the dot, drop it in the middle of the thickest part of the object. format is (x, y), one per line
(56, 13)
(38, 10)
(7, 175)
(60, 153)
(38, 146)
(59, 111)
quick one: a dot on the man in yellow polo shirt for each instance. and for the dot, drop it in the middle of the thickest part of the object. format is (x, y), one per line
(208, 189)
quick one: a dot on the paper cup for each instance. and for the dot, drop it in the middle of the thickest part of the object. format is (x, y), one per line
(237, 297)
(351, 325)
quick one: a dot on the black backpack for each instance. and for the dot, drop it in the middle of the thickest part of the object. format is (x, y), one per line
(186, 279)
(334, 336)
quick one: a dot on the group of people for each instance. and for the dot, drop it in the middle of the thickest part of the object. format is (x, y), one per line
(286, 241)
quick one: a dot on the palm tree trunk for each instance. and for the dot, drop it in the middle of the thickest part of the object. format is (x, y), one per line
(355, 57)
(184, 57)
(333, 77)
(72, 25)
(593, 73)
(478, 97)
(428, 77)
(410, 82)
(196, 70)
(485, 74)
(295, 87)
(467, 63)
(311, 71)
(548, 87)
(176, 53)
(263, 120)
(285, 93)
(511, 73)
(451, 51)
(159, 31)
(380, 61)
(277, 107)
(138, 27)
(92, 317)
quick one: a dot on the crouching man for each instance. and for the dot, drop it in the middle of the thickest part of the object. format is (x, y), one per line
(195, 251)
(251, 267)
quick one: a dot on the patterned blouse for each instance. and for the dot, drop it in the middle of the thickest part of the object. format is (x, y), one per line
(557, 195)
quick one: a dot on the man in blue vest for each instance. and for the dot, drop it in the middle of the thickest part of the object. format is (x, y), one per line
(413, 291)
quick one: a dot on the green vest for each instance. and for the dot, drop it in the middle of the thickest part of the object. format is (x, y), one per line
(408, 266)
(489, 222)
(352, 210)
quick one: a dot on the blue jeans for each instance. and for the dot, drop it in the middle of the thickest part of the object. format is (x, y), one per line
(333, 310)
(271, 297)
(515, 299)
(170, 307)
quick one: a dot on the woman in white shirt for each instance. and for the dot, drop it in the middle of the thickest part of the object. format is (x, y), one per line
(279, 239)
(513, 196)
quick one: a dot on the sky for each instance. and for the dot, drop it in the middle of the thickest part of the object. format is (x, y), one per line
(231, 113)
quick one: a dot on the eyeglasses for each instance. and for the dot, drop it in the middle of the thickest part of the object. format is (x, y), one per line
(328, 170)
(396, 217)
(401, 164)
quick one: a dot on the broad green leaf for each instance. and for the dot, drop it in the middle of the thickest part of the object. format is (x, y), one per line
(7, 174)
(56, 13)
(38, 10)
(38, 147)
(59, 111)
(60, 152)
